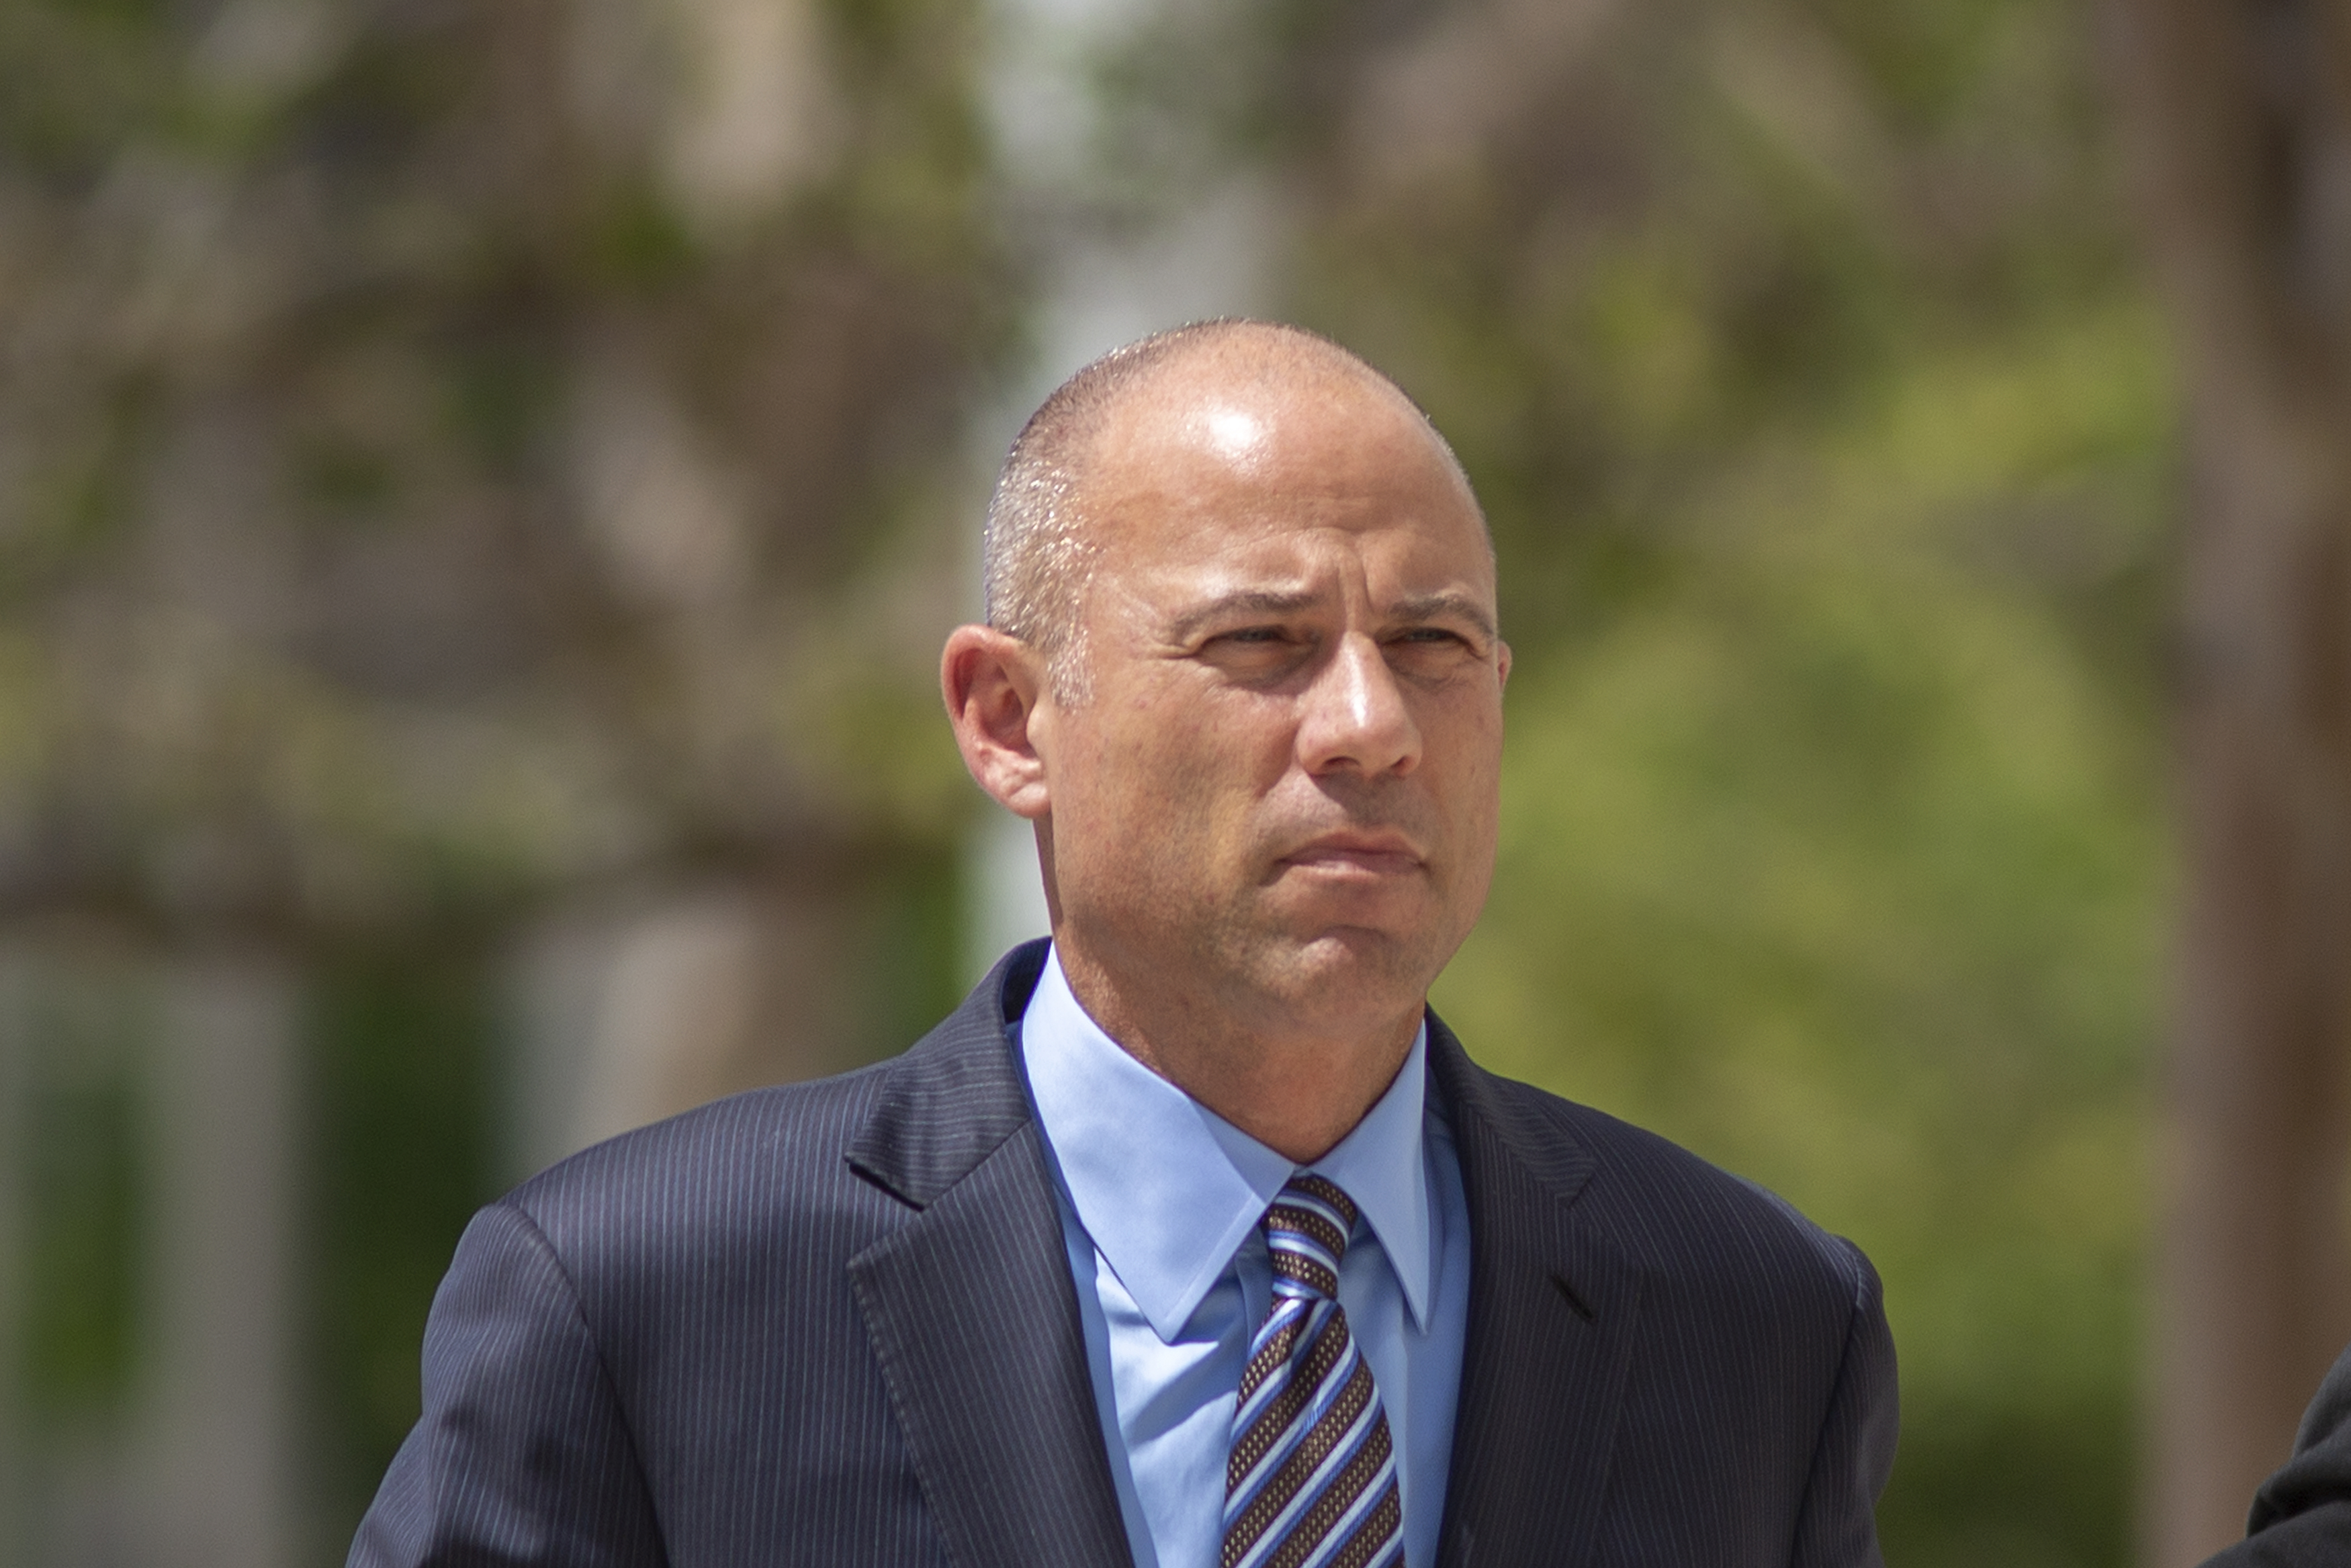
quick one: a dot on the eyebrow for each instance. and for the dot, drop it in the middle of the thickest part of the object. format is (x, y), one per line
(1252, 601)
(1263, 601)
(1440, 606)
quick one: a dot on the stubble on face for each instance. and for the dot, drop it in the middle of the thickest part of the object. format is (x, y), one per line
(1273, 815)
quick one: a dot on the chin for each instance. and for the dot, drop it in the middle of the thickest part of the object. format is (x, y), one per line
(1350, 971)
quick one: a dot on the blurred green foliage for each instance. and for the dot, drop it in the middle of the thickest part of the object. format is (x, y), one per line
(402, 1150)
(462, 457)
(78, 1168)
(1799, 354)
(1795, 348)
(323, 632)
(1840, 862)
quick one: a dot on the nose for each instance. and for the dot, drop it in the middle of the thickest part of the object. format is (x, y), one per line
(1356, 715)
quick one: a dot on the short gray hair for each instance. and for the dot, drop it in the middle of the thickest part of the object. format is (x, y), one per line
(1035, 557)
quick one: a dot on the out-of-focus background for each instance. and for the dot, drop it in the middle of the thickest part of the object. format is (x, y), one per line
(483, 483)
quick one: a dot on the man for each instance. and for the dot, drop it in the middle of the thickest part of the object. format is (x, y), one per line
(1193, 1239)
(2302, 1515)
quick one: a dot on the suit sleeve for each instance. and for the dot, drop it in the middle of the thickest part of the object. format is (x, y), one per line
(1837, 1527)
(522, 1458)
(2302, 1515)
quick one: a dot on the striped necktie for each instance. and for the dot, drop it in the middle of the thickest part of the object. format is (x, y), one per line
(1311, 1482)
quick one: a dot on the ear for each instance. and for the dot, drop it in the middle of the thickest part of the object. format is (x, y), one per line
(992, 683)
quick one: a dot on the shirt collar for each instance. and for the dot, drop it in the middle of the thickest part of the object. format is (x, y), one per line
(1168, 1239)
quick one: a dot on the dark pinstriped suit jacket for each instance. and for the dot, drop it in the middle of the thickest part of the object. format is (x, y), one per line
(833, 1325)
(2302, 1515)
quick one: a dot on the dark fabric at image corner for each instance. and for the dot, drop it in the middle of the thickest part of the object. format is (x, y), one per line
(2301, 1516)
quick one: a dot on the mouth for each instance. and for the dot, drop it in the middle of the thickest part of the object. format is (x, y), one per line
(1372, 852)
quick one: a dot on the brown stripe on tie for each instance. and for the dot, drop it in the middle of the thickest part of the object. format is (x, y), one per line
(1298, 1266)
(1328, 1191)
(1270, 1356)
(1300, 1467)
(1283, 1409)
(1346, 1489)
(1309, 1224)
(1374, 1535)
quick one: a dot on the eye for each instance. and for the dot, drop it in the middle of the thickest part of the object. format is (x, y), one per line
(1256, 653)
(1430, 652)
(1248, 639)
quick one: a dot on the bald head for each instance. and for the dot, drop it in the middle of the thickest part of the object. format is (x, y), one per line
(1041, 540)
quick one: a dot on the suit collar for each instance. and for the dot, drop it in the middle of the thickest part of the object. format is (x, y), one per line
(1552, 1310)
(1560, 1163)
(952, 1098)
(970, 1306)
(974, 1316)
(1169, 1240)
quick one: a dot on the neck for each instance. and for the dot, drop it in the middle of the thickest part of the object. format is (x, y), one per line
(1296, 1090)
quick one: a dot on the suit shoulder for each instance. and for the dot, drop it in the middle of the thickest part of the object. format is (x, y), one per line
(768, 1175)
(1676, 1212)
(750, 1159)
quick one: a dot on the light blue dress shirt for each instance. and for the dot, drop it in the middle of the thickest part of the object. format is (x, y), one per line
(1160, 1203)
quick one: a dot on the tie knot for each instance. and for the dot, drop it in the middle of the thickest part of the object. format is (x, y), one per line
(1306, 1230)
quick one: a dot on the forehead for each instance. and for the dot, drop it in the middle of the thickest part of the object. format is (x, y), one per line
(1218, 464)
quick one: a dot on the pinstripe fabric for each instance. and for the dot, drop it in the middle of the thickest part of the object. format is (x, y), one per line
(1665, 1364)
(2301, 1517)
(833, 1325)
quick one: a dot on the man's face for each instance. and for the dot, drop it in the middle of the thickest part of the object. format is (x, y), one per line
(1277, 795)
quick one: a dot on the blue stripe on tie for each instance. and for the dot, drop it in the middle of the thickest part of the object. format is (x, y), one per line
(1329, 1393)
(1318, 1313)
(1255, 1482)
(1346, 1525)
(1318, 1482)
(1345, 1505)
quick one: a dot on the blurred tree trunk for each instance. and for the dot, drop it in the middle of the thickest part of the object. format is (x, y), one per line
(14, 1062)
(218, 1479)
(639, 1008)
(2241, 122)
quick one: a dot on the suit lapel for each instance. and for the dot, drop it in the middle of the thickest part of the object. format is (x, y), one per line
(970, 1306)
(973, 1317)
(1553, 1310)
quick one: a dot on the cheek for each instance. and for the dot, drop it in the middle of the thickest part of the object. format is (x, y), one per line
(1199, 784)
(1138, 788)
(1187, 780)
(1466, 746)
(1221, 739)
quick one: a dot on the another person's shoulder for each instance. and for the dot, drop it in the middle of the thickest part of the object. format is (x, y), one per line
(2302, 1515)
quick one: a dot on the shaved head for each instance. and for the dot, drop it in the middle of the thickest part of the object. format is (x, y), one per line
(1244, 678)
(1039, 549)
